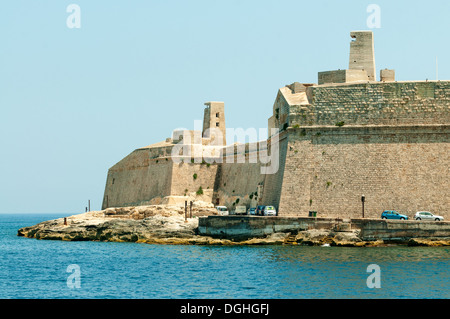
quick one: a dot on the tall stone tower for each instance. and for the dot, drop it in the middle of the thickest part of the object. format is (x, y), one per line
(214, 122)
(362, 53)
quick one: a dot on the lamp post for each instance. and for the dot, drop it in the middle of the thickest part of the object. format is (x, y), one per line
(363, 200)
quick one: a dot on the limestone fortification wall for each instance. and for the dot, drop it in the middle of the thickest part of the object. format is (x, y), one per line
(142, 179)
(190, 177)
(273, 182)
(387, 141)
(393, 147)
(400, 168)
(137, 179)
(375, 103)
(237, 184)
(342, 76)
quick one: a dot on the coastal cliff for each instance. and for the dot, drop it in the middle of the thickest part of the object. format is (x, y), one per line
(165, 224)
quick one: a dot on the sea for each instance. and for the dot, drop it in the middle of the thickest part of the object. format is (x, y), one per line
(45, 269)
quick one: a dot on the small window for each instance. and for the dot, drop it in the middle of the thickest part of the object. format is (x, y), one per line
(217, 124)
(217, 114)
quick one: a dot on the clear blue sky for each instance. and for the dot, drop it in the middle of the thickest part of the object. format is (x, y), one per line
(76, 101)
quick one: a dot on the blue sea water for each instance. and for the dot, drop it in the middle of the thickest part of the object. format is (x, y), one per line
(37, 269)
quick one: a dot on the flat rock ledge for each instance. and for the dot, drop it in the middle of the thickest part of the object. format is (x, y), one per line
(162, 224)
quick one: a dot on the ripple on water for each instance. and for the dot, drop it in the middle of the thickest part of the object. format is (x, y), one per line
(37, 269)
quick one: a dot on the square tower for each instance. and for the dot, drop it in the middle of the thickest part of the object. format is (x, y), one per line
(362, 53)
(214, 123)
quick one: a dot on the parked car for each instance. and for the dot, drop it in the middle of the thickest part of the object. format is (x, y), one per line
(240, 210)
(259, 210)
(252, 211)
(428, 216)
(222, 210)
(392, 214)
(269, 211)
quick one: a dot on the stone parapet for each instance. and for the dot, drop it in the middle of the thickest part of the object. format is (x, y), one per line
(374, 103)
(241, 228)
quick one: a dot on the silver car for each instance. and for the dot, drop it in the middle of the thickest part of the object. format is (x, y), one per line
(269, 211)
(428, 216)
(222, 210)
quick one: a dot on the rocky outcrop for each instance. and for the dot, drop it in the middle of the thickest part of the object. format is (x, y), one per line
(169, 228)
(164, 224)
(156, 224)
(348, 238)
(429, 242)
(130, 224)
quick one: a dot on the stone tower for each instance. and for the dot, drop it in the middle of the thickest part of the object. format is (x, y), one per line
(362, 53)
(214, 122)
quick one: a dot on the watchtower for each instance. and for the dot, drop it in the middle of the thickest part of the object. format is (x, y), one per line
(362, 53)
(214, 122)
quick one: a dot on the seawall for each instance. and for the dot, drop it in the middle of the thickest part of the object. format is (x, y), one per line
(241, 228)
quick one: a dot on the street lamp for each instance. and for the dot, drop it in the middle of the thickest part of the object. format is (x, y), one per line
(363, 200)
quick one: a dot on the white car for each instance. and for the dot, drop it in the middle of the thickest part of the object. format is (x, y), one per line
(222, 210)
(428, 216)
(269, 211)
(241, 210)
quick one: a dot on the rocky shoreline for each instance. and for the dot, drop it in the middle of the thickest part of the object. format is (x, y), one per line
(163, 224)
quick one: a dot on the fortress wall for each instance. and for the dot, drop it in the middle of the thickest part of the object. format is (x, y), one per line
(136, 159)
(375, 103)
(238, 181)
(241, 180)
(393, 148)
(280, 113)
(183, 177)
(139, 179)
(342, 76)
(295, 183)
(273, 182)
(136, 180)
(400, 168)
(157, 152)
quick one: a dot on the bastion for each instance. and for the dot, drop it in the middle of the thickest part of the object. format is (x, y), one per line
(346, 137)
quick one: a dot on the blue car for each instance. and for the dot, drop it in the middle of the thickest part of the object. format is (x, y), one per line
(392, 214)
